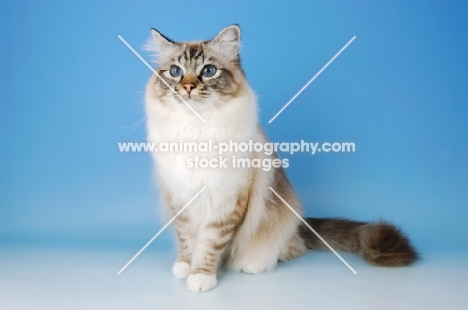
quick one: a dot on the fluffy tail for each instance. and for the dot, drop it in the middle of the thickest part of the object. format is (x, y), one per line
(379, 243)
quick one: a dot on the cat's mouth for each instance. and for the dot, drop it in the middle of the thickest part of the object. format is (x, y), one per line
(191, 97)
(188, 96)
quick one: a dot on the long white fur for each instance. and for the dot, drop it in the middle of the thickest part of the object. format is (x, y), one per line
(234, 120)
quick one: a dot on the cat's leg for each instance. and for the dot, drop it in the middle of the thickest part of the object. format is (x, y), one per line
(296, 247)
(272, 243)
(264, 256)
(207, 256)
(213, 239)
(259, 247)
(266, 259)
(186, 243)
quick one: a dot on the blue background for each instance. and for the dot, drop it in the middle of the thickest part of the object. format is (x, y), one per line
(71, 90)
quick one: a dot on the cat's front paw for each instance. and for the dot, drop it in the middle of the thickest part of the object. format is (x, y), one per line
(200, 282)
(181, 270)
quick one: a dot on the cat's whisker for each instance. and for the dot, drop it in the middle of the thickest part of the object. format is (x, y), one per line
(134, 126)
(139, 123)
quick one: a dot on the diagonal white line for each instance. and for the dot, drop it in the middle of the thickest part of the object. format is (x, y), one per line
(164, 81)
(161, 230)
(311, 80)
(307, 224)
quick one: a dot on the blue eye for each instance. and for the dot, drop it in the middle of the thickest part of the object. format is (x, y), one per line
(208, 70)
(176, 71)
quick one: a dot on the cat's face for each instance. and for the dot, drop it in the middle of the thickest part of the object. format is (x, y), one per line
(200, 72)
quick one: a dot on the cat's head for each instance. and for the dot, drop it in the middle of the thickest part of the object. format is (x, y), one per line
(199, 71)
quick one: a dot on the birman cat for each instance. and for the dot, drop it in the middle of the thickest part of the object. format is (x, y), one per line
(237, 221)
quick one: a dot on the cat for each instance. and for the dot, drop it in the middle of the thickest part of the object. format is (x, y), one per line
(237, 221)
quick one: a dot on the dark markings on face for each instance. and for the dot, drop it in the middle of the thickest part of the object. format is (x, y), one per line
(192, 57)
(194, 51)
(224, 83)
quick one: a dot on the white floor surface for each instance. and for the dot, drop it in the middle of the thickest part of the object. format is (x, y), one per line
(67, 278)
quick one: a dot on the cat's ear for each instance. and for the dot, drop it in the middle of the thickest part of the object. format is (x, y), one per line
(159, 45)
(228, 41)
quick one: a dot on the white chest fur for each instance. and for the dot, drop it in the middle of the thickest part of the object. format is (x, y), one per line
(234, 120)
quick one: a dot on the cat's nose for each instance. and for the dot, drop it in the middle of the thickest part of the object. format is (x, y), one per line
(189, 87)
